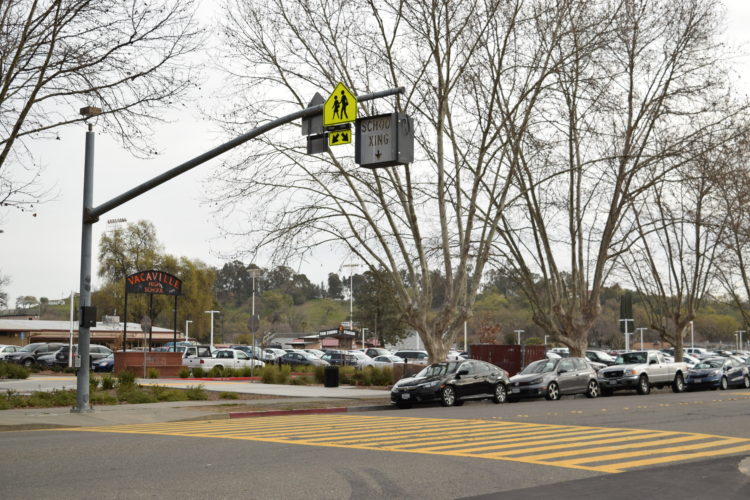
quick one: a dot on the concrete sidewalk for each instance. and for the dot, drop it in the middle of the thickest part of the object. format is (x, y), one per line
(40, 418)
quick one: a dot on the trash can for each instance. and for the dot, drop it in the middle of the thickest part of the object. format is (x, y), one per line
(331, 376)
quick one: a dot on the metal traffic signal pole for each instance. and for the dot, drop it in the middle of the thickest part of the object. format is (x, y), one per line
(91, 215)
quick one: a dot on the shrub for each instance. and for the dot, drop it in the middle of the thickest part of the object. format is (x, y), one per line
(52, 398)
(283, 375)
(199, 372)
(216, 371)
(302, 380)
(196, 393)
(246, 371)
(102, 398)
(320, 374)
(228, 395)
(268, 375)
(231, 372)
(153, 373)
(382, 376)
(346, 374)
(126, 378)
(129, 393)
(93, 384)
(184, 372)
(12, 370)
(362, 377)
(162, 393)
(108, 382)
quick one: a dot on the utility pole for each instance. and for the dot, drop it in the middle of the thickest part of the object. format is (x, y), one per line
(519, 332)
(187, 326)
(254, 321)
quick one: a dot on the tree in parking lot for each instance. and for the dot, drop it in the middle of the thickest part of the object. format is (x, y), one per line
(639, 93)
(473, 71)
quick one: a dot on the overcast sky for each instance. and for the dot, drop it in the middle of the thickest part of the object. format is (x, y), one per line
(41, 254)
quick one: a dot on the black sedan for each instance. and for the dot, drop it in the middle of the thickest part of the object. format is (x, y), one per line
(552, 378)
(717, 373)
(451, 383)
(301, 358)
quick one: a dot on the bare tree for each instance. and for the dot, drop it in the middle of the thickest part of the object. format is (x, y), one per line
(127, 57)
(640, 83)
(679, 226)
(4, 281)
(472, 69)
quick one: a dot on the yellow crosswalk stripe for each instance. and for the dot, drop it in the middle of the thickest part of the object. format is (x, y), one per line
(601, 449)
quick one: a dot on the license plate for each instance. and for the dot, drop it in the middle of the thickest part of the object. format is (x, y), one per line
(611, 382)
(515, 390)
(405, 396)
(698, 380)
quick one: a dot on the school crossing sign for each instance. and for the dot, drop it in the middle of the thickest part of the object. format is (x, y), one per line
(340, 107)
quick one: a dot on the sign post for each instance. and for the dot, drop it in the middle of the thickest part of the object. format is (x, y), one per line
(384, 140)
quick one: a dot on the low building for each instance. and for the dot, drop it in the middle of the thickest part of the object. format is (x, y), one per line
(26, 331)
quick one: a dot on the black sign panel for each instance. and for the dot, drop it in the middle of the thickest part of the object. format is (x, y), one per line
(154, 282)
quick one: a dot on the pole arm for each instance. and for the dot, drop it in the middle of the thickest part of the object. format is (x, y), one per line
(92, 215)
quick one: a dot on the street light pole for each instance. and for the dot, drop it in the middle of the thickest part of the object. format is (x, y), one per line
(692, 338)
(738, 334)
(84, 328)
(519, 332)
(187, 326)
(351, 293)
(641, 330)
(212, 326)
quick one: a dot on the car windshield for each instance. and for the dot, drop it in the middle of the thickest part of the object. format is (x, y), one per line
(710, 363)
(438, 369)
(541, 366)
(29, 348)
(631, 358)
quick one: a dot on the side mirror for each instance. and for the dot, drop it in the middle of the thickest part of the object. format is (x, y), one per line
(463, 372)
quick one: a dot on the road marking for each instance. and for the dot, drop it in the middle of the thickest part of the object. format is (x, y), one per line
(601, 449)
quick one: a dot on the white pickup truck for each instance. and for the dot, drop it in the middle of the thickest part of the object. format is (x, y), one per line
(202, 357)
(642, 370)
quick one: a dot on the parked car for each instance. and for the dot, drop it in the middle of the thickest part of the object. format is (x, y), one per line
(699, 352)
(301, 358)
(47, 360)
(361, 359)
(374, 352)
(386, 360)
(315, 352)
(553, 378)
(600, 357)
(28, 354)
(340, 358)
(718, 373)
(96, 352)
(641, 370)
(5, 350)
(105, 364)
(413, 356)
(451, 383)
(272, 354)
(248, 349)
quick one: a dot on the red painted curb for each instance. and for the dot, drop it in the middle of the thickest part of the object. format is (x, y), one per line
(274, 413)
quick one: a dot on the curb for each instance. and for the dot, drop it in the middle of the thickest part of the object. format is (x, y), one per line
(308, 411)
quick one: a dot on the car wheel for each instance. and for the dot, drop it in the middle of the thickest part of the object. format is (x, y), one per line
(553, 392)
(746, 382)
(501, 394)
(28, 362)
(678, 385)
(723, 384)
(643, 386)
(448, 396)
(592, 390)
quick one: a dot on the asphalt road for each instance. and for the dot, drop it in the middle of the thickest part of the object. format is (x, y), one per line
(573, 448)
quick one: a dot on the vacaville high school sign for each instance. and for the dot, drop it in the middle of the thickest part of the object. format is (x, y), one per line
(154, 282)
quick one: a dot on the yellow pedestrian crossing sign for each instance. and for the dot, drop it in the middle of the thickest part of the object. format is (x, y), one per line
(340, 107)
